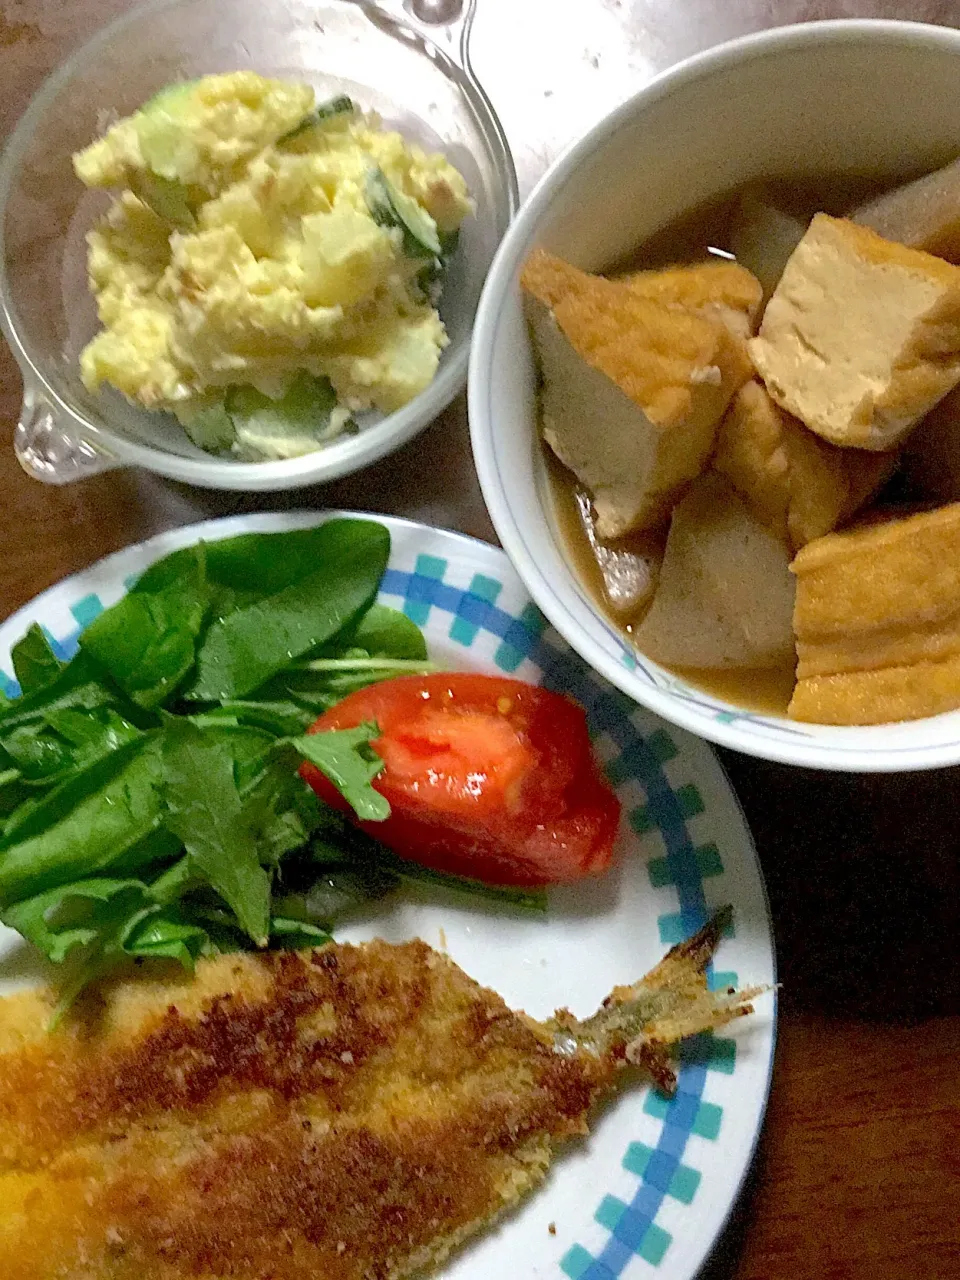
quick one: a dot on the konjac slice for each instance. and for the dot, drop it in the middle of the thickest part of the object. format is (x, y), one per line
(725, 597)
(924, 214)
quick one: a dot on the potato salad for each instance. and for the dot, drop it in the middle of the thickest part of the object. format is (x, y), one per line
(269, 265)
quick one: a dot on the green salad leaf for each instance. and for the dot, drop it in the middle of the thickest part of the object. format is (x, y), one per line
(347, 759)
(34, 662)
(243, 649)
(66, 739)
(74, 915)
(150, 801)
(292, 933)
(205, 810)
(382, 632)
(86, 824)
(166, 935)
(147, 642)
(81, 684)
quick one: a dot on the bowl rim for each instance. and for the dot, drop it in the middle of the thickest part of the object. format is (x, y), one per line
(341, 457)
(812, 752)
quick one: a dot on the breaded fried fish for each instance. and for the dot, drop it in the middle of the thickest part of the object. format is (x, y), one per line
(348, 1113)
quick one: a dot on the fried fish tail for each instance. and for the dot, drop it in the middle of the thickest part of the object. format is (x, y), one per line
(639, 1023)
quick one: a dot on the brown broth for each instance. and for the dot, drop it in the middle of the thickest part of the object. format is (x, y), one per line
(696, 237)
(705, 232)
(765, 690)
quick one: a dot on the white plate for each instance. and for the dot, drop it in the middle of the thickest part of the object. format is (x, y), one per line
(651, 1188)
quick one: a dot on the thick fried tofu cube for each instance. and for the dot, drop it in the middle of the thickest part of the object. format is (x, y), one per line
(800, 486)
(631, 390)
(878, 609)
(861, 337)
(725, 595)
(879, 697)
(924, 214)
(724, 290)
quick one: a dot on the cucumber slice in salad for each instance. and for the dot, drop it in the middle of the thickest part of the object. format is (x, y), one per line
(321, 114)
(297, 423)
(209, 426)
(259, 427)
(390, 207)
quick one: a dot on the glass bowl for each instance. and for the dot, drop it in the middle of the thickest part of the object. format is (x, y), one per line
(408, 61)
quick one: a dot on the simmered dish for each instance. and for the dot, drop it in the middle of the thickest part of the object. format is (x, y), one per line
(268, 266)
(757, 432)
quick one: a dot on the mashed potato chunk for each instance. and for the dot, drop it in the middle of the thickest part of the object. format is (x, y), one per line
(256, 238)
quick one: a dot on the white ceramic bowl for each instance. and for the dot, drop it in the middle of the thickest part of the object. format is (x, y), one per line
(853, 96)
(375, 50)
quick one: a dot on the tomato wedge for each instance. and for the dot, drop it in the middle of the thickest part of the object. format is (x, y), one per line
(486, 777)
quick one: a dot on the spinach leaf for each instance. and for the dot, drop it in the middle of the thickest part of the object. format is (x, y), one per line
(86, 824)
(74, 915)
(37, 753)
(383, 632)
(79, 684)
(147, 641)
(148, 855)
(296, 934)
(347, 759)
(34, 662)
(250, 566)
(167, 935)
(242, 650)
(205, 809)
(66, 739)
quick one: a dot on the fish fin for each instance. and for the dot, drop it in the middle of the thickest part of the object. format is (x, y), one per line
(672, 1002)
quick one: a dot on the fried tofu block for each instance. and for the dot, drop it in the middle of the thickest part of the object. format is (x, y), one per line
(800, 486)
(725, 595)
(924, 214)
(861, 337)
(881, 601)
(724, 290)
(631, 392)
(879, 697)
(763, 236)
(932, 455)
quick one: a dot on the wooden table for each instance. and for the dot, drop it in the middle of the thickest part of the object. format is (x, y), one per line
(858, 1173)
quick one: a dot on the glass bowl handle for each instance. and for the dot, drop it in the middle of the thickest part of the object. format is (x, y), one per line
(46, 446)
(447, 25)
